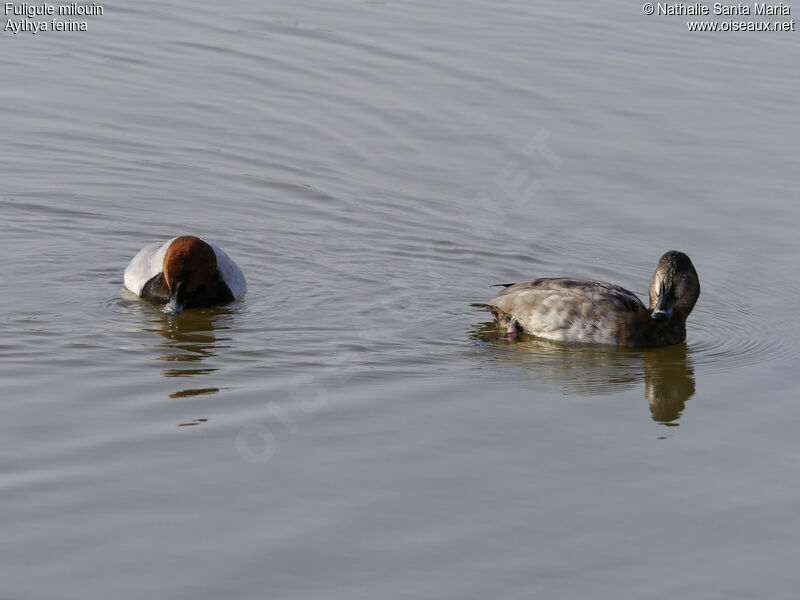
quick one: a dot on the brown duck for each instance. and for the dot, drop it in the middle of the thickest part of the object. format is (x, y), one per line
(571, 310)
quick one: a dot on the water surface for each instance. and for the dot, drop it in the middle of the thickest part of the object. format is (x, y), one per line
(352, 427)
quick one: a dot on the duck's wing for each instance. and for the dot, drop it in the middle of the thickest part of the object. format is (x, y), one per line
(147, 263)
(230, 272)
(564, 309)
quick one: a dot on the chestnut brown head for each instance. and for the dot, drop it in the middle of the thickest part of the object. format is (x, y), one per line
(188, 264)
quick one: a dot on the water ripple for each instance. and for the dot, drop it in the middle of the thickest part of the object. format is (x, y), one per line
(733, 335)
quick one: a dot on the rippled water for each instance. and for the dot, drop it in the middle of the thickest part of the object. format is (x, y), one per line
(353, 427)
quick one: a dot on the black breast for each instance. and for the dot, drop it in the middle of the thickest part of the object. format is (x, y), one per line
(214, 292)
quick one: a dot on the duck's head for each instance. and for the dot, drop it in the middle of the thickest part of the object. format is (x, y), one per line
(188, 264)
(674, 287)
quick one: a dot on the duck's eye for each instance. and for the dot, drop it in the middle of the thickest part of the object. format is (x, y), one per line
(683, 276)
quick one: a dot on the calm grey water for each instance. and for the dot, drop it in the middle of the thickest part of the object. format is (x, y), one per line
(352, 428)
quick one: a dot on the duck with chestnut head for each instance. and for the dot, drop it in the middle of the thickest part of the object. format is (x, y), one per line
(184, 272)
(572, 310)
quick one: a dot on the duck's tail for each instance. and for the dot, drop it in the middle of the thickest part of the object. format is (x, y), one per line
(503, 318)
(481, 305)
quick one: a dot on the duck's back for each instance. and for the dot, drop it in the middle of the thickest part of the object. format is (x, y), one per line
(567, 310)
(147, 263)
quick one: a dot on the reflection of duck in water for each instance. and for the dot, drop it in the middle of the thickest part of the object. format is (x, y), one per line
(184, 272)
(668, 382)
(571, 310)
(593, 369)
(188, 348)
(189, 341)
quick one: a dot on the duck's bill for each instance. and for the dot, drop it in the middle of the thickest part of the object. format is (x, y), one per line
(665, 304)
(174, 306)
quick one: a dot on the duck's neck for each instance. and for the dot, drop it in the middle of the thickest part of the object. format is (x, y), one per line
(639, 330)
